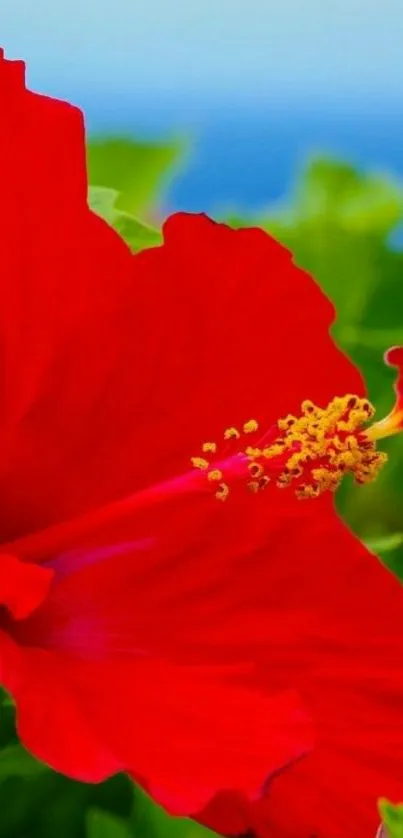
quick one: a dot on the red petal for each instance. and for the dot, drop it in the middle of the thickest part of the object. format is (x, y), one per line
(281, 586)
(112, 615)
(89, 719)
(23, 586)
(116, 367)
(337, 636)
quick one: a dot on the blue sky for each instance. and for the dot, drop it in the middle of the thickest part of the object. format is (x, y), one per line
(211, 50)
(256, 84)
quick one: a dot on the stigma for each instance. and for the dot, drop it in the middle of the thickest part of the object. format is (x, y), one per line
(311, 452)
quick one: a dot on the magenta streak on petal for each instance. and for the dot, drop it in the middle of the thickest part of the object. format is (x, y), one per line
(92, 635)
(89, 636)
(43, 545)
(75, 560)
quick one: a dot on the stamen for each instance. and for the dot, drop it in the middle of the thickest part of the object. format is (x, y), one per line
(393, 423)
(231, 433)
(200, 462)
(311, 452)
(253, 452)
(250, 427)
(216, 474)
(256, 470)
(222, 492)
(209, 447)
(321, 445)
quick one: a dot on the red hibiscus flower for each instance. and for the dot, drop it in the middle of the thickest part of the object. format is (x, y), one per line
(240, 659)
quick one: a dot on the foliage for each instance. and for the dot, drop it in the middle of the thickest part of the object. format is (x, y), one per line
(392, 817)
(139, 172)
(137, 234)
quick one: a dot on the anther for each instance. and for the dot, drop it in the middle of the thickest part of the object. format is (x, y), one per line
(251, 426)
(231, 433)
(256, 470)
(200, 462)
(222, 492)
(209, 446)
(215, 474)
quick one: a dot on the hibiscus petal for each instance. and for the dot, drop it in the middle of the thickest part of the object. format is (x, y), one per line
(50, 719)
(117, 367)
(279, 586)
(165, 722)
(112, 613)
(23, 586)
(336, 620)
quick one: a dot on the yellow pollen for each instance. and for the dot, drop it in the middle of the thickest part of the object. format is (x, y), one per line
(200, 462)
(308, 407)
(250, 427)
(222, 492)
(287, 422)
(253, 452)
(209, 446)
(322, 445)
(216, 474)
(256, 470)
(310, 452)
(231, 433)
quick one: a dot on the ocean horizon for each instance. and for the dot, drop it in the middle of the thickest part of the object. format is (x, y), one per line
(245, 157)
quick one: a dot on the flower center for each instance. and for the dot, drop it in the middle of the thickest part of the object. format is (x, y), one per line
(311, 452)
(322, 445)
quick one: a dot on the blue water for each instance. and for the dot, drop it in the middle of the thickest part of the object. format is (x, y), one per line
(248, 164)
(243, 159)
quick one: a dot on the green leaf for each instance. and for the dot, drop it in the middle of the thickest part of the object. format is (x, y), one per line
(140, 172)
(135, 233)
(6, 700)
(385, 543)
(15, 761)
(336, 222)
(333, 189)
(102, 201)
(392, 817)
(149, 819)
(102, 824)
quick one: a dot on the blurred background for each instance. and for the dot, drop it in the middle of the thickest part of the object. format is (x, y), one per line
(253, 88)
(287, 115)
